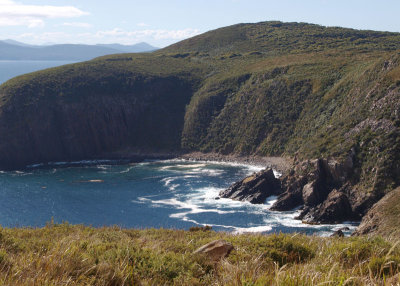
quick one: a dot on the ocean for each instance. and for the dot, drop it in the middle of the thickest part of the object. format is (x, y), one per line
(174, 194)
(10, 69)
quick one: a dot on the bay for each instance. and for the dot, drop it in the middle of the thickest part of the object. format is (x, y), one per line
(174, 194)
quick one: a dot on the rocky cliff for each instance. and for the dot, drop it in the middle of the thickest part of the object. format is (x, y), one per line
(92, 118)
(270, 88)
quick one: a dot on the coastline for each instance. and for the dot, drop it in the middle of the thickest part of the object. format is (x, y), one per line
(280, 164)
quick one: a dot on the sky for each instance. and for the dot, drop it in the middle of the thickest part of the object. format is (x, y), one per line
(163, 22)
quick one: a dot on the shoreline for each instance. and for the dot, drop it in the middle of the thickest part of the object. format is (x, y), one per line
(280, 164)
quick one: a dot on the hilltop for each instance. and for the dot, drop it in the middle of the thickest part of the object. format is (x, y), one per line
(267, 89)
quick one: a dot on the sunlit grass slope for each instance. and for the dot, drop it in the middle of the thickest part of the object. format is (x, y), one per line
(77, 255)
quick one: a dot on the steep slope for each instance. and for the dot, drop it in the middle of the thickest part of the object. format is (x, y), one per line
(271, 88)
(92, 109)
(383, 217)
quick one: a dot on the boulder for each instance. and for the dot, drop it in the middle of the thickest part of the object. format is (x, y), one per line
(216, 250)
(337, 233)
(292, 197)
(310, 194)
(336, 208)
(255, 188)
(288, 201)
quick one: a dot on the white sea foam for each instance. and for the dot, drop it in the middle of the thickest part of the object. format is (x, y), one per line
(168, 183)
(192, 207)
(20, 173)
(254, 229)
(202, 200)
(251, 168)
(127, 170)
(270, 201)
(35, 165)
(277, 174)
(198, 169)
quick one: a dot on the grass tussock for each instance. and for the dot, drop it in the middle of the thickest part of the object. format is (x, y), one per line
(77, 255)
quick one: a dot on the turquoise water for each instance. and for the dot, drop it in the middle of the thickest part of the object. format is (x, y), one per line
(170, 194)
(10, 69)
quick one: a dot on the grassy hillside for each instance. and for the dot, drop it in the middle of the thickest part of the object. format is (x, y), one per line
(276, 38)
(271, 88)
(77, 255)
(383, 217)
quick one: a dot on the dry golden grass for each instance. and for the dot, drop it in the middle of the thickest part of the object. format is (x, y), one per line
(78, 255)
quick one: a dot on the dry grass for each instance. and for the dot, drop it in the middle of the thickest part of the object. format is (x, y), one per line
(78, 255)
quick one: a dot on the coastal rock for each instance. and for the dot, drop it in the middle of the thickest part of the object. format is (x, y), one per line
(292, 197)
(320, 186)
(310, 194)
(216, 250)
(383, 217)
(255, 188)
(337, 233)
(361, 202)
(335, 209)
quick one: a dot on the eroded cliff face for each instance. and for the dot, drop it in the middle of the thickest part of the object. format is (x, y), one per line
(146, 115)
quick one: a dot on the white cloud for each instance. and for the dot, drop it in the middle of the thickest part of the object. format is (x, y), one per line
(156, 37)
(157, 34)
(15, 14)
(142, 24)
(78, 25)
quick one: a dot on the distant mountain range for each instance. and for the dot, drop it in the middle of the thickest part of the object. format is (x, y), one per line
(14, 50)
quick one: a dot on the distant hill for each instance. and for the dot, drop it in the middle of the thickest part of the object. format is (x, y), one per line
(13, 42)
(14, 50)
(137, 48)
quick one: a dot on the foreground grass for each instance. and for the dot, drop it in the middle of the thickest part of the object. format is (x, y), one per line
(77, 255)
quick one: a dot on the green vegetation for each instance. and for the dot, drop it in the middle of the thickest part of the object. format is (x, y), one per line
(268, 88)
(78, 255)
(383, 217)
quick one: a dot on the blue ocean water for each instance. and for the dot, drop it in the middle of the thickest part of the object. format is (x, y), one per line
(10, 69)
(170, 194)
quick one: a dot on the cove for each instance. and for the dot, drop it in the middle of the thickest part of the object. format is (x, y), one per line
(174, 194)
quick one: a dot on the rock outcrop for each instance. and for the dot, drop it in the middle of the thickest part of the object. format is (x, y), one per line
(383, 217)
(216, 250)
(255, 188)
(338, 233)
(320, 187)
(335, 209)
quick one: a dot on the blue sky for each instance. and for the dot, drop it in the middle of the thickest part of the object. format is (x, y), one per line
(162, 22)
